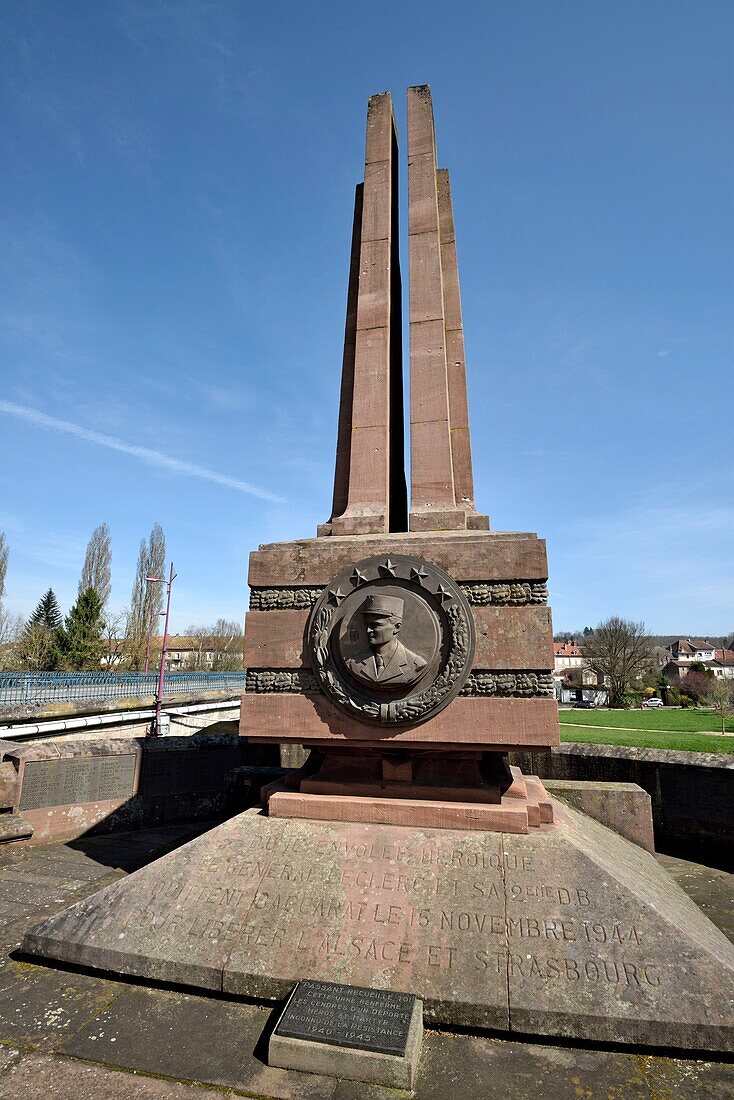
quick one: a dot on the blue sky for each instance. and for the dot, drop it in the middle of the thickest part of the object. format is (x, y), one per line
(175, 218)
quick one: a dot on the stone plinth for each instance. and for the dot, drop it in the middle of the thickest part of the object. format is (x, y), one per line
(508, 699)
(506, 817)
(300, 689)
(431, 790)
(570, 931)
(624, 807)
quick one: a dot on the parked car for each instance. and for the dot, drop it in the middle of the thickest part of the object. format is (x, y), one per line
(652, 702)
(585, 704)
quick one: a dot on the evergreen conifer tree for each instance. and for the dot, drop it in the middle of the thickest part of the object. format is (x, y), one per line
(38, 645)
(80, 643)
(47, 613)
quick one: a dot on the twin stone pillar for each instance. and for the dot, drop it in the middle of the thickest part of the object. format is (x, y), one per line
(370, 495)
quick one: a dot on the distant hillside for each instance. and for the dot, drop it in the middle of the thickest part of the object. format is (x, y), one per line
(664, 640)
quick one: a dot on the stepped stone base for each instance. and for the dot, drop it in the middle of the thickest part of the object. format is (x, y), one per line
(523, 806)
(570, 931)
(418, 813)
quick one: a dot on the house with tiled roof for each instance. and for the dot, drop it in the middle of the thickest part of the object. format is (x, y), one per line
(567, 655)
(691, 650)
(722, 665)
(685, 652)
(573, 679)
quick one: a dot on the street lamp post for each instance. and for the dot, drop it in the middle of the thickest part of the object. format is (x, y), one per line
(159, 694)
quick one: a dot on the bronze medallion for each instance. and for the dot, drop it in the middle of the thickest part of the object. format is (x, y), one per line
(391, 640)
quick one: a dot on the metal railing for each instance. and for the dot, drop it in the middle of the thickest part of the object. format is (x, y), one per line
(33, 689)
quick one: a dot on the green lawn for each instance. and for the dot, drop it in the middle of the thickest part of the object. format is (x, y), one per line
(654, 729)
(676, 721)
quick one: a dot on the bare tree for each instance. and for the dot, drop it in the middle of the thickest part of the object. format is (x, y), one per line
(36, 650)
(203, 645)
(146, 599)
(11, 630)
(96, 569)
(11, 625)
(218, 647)
(618, 650)
(113, 635)
(228, 654)
(720, 697)
(3, 563)
(227, 628)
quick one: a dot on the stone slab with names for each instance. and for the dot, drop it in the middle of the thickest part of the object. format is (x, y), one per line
(349, 1031)
(65, 788)
(169, 771)
(61, 782)
(572, 931)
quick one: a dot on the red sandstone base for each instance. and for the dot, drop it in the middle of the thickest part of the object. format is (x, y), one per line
(523, 806)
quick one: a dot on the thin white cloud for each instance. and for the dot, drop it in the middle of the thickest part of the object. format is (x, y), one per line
(58, 551)
(660, 558)
(145, 454)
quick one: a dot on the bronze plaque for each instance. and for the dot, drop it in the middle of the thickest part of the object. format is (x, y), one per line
(391, 640)
(348, 1016)
(77, 779)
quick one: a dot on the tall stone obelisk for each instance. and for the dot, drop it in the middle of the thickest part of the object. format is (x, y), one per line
(369, 480)
(442, 485)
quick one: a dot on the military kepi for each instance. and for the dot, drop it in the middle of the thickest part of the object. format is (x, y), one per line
(392, 606)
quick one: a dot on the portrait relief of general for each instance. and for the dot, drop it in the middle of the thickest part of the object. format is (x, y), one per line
(388, 662)
(391, 639)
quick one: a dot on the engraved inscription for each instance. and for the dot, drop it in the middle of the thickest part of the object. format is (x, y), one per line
(442, 907)
(434, 913)
(548, 970)
(80, 779)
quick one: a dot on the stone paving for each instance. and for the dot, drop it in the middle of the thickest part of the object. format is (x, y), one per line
(65, 1034)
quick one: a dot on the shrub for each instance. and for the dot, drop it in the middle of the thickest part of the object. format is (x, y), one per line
(670, 695)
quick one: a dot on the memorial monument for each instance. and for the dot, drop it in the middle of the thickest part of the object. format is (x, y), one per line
(408, 647)
(469, 604)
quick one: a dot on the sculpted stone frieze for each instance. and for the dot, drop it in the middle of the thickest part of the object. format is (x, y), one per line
(515, 593)
(505, 684)
(283, 598)
(509, 683)
(505, 593)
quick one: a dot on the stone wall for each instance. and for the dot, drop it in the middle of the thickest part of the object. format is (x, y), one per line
(692, 793)
(77, 787)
